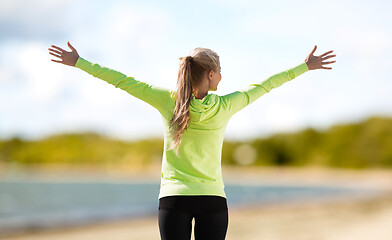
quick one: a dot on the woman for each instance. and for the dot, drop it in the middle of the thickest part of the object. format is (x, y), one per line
(195, 122)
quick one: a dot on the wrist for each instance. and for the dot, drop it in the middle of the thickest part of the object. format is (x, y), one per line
(308, 65)
(77, 59)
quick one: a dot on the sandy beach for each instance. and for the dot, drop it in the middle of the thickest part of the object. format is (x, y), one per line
(367, 217)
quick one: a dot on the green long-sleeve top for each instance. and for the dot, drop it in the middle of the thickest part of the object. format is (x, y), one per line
(196, 170)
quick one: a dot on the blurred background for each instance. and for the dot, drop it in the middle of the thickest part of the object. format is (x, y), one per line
(76, 151)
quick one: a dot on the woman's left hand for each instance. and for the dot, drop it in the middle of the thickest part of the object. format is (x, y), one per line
(68, 58)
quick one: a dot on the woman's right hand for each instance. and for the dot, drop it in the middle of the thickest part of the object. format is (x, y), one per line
(316, 62)
(68, 58)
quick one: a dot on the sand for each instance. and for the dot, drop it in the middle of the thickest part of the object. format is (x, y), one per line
(367, 217)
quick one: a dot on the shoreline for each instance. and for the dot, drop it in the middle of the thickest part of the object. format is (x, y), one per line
(242, 174)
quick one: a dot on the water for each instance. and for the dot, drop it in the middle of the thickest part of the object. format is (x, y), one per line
(28, 205)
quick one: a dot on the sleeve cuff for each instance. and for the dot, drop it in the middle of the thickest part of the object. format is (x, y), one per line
(83, 64)
(301, 68)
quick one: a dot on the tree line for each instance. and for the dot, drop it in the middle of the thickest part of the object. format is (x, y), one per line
(366, 144)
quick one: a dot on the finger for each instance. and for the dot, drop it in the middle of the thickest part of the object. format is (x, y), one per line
(56, 55)
(326, 53)
(325, 67)
(55, 51)
(328, 62)
(71, 47)
(314, 49)
(62, 50)
(328, 57)
(56, 61)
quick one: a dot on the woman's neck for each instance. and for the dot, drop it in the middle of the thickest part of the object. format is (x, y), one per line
(200, 95)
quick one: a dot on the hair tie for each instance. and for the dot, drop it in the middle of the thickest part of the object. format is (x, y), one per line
(190, 58)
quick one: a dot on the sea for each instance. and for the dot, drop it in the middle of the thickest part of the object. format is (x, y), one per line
(36, 205)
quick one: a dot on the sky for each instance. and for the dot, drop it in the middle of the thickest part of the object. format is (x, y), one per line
(144, 39)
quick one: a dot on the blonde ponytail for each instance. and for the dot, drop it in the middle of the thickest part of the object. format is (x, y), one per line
(190, 75)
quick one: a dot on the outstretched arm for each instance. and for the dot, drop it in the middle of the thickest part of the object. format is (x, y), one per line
(240, 99)
(157, 97)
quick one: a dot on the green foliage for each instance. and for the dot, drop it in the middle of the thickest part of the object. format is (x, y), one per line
(82, 148)
(355, 145)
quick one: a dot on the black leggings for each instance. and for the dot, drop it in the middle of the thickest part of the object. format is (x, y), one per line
(176, 214)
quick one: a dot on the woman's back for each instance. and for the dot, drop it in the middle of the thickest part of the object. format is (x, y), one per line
(196, 170)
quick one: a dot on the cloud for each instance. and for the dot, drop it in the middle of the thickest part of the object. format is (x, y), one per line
(129, 38)
(28, 78)
(369, 44)
(25, 19)
(141, 26)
